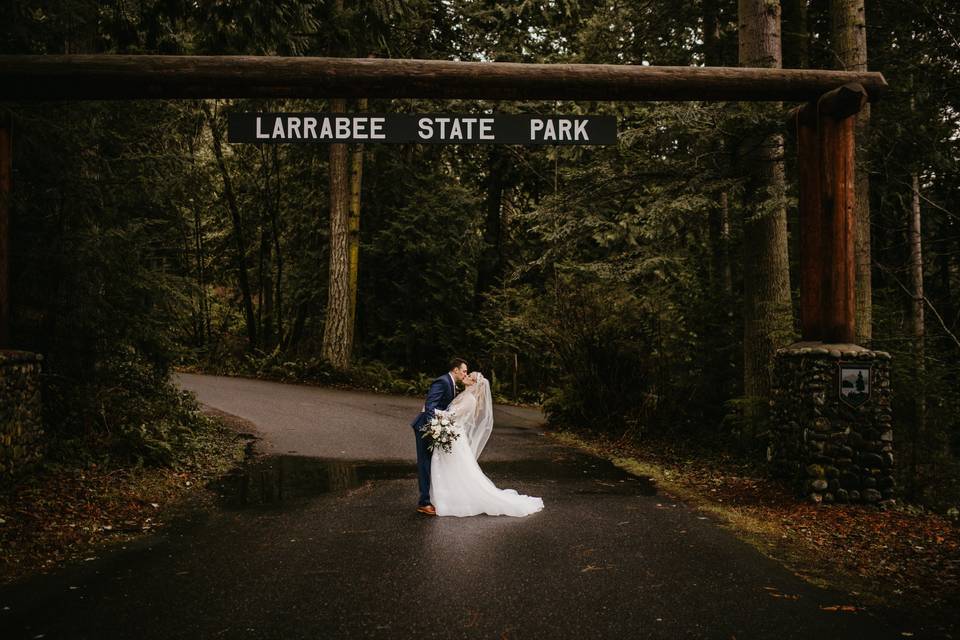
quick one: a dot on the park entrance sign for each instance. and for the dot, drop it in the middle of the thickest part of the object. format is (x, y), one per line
(424, 128)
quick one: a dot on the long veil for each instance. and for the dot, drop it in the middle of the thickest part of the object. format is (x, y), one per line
(478, 429)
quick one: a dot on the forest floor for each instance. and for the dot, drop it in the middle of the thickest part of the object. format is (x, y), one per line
(899, 556)
(66, 513)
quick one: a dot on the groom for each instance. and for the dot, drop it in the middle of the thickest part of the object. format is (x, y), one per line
(439, 396)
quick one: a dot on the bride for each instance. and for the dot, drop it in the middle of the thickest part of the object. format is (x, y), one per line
(457, 485)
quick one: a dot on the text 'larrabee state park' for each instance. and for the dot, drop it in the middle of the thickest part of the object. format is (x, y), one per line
(423, 128)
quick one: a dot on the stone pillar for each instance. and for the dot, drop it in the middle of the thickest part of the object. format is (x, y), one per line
(831, 433)
(21, 425)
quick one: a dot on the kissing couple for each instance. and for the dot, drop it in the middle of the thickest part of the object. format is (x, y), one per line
(451, 482)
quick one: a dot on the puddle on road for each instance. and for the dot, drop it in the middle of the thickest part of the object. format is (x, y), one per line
(277, 479)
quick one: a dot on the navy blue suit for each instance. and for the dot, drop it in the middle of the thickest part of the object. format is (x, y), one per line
(439, 396)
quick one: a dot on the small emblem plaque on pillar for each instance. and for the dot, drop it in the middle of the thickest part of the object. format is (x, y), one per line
(854, 382)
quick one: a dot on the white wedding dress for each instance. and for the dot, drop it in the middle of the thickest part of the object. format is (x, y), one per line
(457, 485)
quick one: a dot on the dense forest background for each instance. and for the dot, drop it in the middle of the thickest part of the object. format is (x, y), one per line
(637, 289)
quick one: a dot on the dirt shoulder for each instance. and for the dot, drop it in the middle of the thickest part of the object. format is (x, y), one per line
(61, 514)
(902, 557)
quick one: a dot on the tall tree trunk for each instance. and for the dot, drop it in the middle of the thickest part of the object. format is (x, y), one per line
(196, 313)
(796, 35)
(338, 330)
(767, 309)
(916, 321)
(712, 51)
(268, 216)
(943, 276)
(275, 234)
(718, 220)
(201, 276)
(849, 35)
(266, 288)
(356, 183)
(296, 331)
(199, 251)
(491, 259)
(238, 239)
(260, 265)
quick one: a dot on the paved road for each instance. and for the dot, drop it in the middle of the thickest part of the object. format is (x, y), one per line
(325, 543)
(347, 425)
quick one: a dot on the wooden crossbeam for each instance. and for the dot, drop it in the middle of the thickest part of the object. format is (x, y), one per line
(30, 77)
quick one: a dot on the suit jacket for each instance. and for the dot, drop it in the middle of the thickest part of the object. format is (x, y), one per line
(439, 396)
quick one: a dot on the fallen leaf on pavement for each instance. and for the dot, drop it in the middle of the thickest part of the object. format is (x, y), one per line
(839, 607)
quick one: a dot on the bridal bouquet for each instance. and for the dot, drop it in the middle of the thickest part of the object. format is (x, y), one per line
(442, 429)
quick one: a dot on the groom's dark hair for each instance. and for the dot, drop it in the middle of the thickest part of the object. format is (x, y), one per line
(455, 363)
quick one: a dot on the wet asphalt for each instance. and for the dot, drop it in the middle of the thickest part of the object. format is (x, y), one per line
(318, 538)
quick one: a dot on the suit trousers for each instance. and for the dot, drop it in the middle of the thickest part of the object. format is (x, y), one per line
(424, 457)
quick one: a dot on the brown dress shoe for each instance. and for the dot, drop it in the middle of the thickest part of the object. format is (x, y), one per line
(427, 509)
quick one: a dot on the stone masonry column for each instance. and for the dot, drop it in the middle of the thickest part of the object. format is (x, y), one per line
(832, 433)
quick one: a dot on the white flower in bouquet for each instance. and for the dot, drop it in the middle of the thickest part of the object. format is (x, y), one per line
(441, 430)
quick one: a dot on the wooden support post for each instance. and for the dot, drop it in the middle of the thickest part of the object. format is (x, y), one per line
(837, 202)
(6, 183)
(825, 142)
